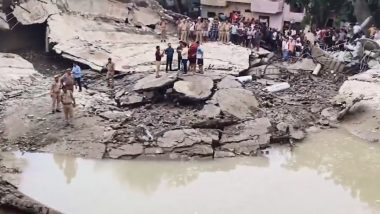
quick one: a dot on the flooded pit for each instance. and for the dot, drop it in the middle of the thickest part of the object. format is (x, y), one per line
(332, 172)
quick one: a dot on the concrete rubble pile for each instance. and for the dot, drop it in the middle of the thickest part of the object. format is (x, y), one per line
(96, 30)
(240, 105)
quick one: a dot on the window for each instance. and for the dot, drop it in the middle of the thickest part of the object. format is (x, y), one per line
(247, 11)
(296, 8)
(211, 14)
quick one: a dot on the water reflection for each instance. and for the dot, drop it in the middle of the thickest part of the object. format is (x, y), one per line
(346, 160)
(68, 165)
(337, 176)
(140, 176)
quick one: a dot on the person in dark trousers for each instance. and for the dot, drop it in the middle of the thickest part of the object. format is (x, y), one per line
(179, 52)
(158, 56)
(169, 57)
(77, 73)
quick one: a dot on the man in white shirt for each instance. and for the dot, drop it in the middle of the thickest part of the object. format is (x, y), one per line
(285, 49)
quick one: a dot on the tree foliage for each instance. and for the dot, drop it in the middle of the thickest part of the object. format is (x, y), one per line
(319, 11)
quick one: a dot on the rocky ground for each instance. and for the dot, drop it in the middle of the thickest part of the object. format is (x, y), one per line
(173, 117)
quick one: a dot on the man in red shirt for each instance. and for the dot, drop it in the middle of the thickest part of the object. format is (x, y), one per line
(159, 55)
(193, 56)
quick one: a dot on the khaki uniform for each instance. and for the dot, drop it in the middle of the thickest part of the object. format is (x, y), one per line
(179, 25)
(226, 32)
(199, 32)
(221, 32)
(188, 32)
(68, 82)
(184, 32)
(68, 108)
(163, 30)
(110, 73)
(55, 94)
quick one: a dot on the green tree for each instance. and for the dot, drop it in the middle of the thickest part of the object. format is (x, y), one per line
(319, 11)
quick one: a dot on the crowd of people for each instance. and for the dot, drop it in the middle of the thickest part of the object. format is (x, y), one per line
(290, 42)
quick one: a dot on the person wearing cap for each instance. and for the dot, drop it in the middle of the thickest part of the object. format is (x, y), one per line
(184, 30)
(221, 31)
(55, 92)
(198, 30)
(68, 103)
(179, 26)
(67, 81)
(163, 27)
(227, 33)
(110, 66)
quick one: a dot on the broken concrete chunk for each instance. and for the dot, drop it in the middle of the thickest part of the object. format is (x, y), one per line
(126, 150)
(153, 151)
(150, 82)
(278, 87)
(302, 65)
(203, 150)
(210, 111)
(229, 82)
(330, 114)
(246, 138)
(131, 100)
(223, 154)
(187, 137)
(194, 87)
(238, 102)
(115, 115)
(244, 79)
(270, 71)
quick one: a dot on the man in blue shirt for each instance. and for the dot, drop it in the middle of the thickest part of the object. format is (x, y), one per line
(200, 56)
(77, 73)
(169, 57)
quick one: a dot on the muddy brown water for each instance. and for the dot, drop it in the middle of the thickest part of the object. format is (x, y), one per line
(332, 172)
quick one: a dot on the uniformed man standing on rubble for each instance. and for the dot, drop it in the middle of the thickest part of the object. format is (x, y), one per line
(110, 67)
(55, 94)
(68, 103)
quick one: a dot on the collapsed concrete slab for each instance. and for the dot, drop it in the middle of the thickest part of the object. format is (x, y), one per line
(194, 87)
(364, 117)
(150, 82)
(238, 102)
(15, 72)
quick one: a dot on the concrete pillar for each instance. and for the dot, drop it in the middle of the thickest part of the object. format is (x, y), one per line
(47, 39)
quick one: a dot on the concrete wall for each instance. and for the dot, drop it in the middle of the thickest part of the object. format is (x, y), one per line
(231, 6)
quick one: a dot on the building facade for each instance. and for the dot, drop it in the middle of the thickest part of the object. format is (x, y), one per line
(275, 13)
(216, 8)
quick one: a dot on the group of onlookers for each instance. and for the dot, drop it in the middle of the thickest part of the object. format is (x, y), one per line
(189, 56)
